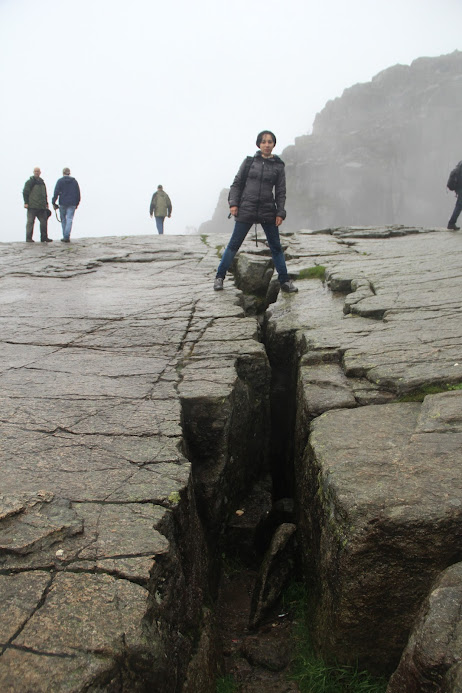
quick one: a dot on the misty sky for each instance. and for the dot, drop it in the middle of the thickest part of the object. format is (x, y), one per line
(133, 94)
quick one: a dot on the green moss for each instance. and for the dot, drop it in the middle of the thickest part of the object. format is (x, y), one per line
(316, 272)
(226, 685)
(204, 238)
(218, 248)
(308, 670)
(174, 498)
(419, 395)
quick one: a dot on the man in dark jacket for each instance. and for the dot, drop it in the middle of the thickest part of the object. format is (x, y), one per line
(161, 207)
(36, 203)
(68, 191)
(458, 190)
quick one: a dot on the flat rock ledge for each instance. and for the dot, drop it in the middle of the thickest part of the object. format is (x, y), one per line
(378, 478)
(136, 412)
(120, 371)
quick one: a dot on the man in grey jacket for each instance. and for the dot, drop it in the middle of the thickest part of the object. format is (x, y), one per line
(36, 203)
(161, 207)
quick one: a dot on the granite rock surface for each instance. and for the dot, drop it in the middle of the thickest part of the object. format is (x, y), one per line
(135, 412)
(114, 352)
(432, 660)
(378, 477)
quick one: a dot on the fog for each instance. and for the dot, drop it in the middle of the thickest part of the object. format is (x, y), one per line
(130, 95)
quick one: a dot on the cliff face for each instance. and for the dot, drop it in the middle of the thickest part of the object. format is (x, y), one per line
(219, 223)
(382, 152)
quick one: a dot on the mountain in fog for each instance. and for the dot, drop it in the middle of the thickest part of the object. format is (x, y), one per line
(379, 154)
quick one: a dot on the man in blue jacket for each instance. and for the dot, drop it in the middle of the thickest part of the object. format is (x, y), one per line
(68, 191)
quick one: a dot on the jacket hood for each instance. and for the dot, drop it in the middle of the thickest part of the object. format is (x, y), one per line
(67, 179)
(274, 157)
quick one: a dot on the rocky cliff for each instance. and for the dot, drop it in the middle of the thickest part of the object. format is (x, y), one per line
(379, 154)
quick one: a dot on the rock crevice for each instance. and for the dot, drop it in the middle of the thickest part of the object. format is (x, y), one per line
(126, 451)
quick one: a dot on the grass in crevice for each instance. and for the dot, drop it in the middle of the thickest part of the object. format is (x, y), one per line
(316, 272)
(419, 395)
(309, 671)
(204, 238)
(226, 684)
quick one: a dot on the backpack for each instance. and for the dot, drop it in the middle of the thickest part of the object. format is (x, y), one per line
(454, 180)
(245, 173)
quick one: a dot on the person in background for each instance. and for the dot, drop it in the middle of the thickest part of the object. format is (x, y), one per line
(251, 201)
(161, 207)
(68, 191)
(36, 203)
(455, 185)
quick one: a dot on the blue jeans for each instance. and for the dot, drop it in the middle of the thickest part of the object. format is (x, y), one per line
(457, 210)
(160, 224)
(241, 230)
(67, 217)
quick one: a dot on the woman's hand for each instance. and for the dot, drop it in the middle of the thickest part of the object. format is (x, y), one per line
(279, 221)
(234, 211)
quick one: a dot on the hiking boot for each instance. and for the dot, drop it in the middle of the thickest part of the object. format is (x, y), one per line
(65, 240)
(30, 240)
(453, 227)
(218, 284)
(289, 287)
(46, 240)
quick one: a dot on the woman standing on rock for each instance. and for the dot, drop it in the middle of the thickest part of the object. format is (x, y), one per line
(251, 201)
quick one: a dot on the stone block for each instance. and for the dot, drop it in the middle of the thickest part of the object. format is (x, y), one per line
(379, 493)
(432, 660)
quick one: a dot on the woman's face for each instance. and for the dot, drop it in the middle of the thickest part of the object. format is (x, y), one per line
(266, 145)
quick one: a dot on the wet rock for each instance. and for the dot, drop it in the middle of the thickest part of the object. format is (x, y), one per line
(243, 530)
(21, 596)
(253, 273)
(281, 511)
(276, 568)
(432, 659)
(202, 669)
(269, 650)
(380, 489)
(84, 623)
(404, 337)
(226, 415)
(104, 564)
(139, 400)
(38, 526)
(325, 387)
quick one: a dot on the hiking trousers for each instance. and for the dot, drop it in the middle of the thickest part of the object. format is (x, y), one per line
(42, 216)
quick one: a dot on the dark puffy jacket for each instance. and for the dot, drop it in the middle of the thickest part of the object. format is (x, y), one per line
(35, 193)
(68, 191)
(458, 189)
(255, 199)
